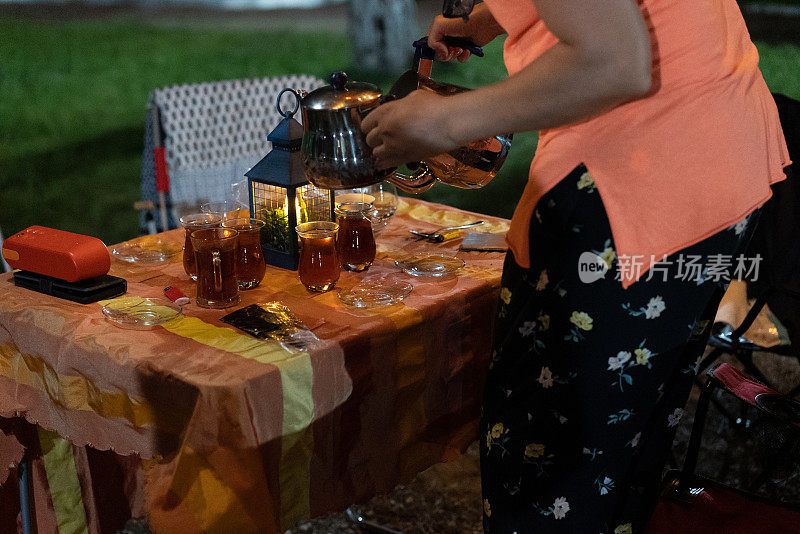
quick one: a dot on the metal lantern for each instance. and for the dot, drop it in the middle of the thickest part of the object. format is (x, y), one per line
(280, 194)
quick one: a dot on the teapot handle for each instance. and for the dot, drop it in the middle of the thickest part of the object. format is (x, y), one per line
(381, 100)
(423, 51)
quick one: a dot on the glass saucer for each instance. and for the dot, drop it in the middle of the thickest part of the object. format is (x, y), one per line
(139, 313)
(429, 264)
(374, 291)
(146, 249)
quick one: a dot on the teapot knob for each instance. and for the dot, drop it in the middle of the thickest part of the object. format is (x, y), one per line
(338, 80)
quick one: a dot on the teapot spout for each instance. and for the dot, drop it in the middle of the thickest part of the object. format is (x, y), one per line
(419, 181)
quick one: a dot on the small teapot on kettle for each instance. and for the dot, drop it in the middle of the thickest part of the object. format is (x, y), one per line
(335, 151)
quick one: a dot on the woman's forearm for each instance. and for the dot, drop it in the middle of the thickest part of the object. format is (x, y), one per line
(602, 59)
(483, 26)
(583, 74)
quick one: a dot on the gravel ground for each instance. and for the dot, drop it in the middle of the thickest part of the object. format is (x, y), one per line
(443, 499)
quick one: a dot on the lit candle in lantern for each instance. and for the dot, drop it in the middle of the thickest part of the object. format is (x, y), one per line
(298, 210)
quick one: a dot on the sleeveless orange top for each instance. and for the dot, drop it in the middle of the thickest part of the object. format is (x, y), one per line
(695, 155)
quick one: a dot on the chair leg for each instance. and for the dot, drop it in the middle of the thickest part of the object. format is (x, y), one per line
(695, 438)
(24, 495)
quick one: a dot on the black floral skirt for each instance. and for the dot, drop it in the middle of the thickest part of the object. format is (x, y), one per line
(588, 380)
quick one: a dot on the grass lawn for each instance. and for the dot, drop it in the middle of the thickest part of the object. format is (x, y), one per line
(72, 97)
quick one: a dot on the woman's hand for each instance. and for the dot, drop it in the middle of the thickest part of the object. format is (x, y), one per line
(481, 28)
(409, 129)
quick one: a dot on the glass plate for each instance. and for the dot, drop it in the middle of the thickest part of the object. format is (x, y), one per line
(429, 264)
(139, 313)
(146, 249)
(373, 291)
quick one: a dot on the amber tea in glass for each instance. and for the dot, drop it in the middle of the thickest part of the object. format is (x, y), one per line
(319, 266)
(190, 223)
(355, 242)
(250, 264)
(215, 255)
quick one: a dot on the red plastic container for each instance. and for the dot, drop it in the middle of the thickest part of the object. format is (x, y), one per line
(64, 255)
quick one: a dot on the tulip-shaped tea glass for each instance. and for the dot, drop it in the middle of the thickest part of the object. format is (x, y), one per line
(226, 209)
(355, 242)
(215, 254)
(384, 204)
(250, 264)
(319, 267)
(191, 223)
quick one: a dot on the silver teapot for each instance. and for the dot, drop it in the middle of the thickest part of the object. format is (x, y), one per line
(335, 150)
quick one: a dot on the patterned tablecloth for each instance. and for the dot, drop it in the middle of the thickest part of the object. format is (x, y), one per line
(204, 428)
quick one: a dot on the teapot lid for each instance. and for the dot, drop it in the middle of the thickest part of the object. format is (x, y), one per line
(341, 94)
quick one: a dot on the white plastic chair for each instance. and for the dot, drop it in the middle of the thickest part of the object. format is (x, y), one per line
(207, 135)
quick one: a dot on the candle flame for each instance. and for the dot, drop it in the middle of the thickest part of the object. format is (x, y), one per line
(298, 209)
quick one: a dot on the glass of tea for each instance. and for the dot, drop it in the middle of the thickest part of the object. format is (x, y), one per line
(190, 223)
(250, 264)
(355, 242)
(319, 267)
(226, 209)
(384, 205)
(215, 255)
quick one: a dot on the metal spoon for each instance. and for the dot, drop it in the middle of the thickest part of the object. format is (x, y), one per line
(437, 235)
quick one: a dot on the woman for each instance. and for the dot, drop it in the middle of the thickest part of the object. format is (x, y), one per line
(658, 140)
